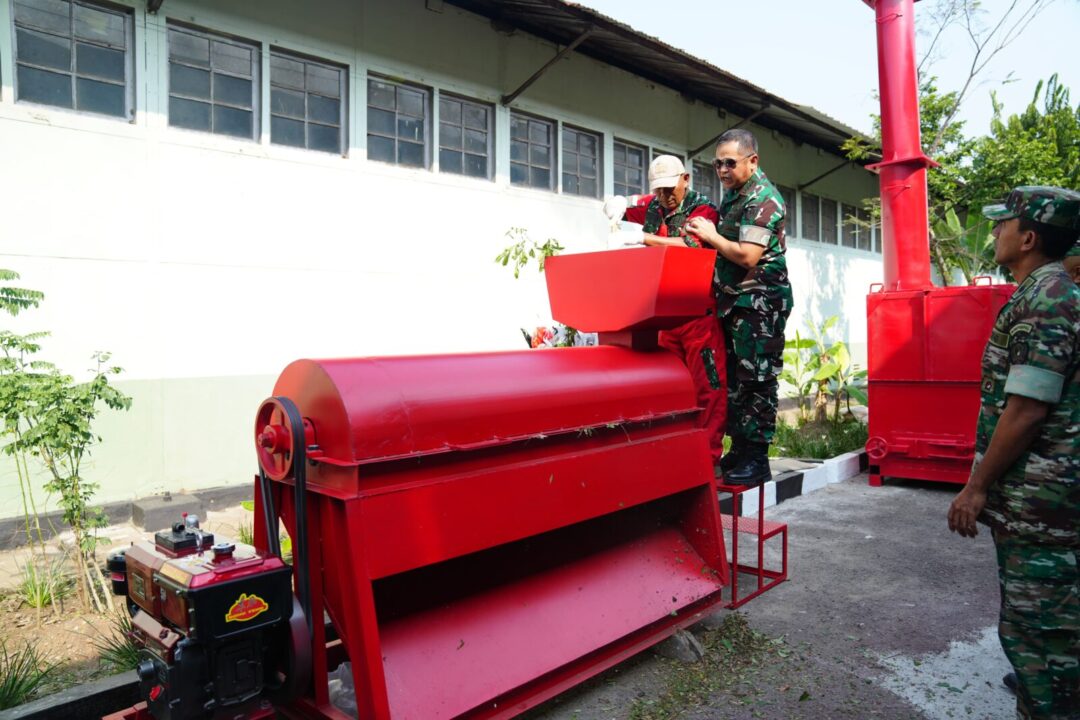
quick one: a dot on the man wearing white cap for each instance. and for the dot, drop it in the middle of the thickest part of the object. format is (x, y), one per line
(700, 342)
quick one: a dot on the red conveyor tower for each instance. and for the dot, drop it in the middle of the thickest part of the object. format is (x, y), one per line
(925, 343)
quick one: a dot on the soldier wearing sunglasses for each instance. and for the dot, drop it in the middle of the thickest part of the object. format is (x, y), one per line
(753, 299)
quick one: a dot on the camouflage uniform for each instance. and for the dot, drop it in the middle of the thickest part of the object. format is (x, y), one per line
(754, 305)
(698, 343)
(1034, 509)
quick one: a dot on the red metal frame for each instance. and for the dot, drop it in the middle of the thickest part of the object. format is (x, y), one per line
(485, 531)
(763, 530)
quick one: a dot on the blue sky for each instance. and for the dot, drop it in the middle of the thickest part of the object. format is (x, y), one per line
(827, 58)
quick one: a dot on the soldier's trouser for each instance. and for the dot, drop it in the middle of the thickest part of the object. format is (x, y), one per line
(1040, 625)
(754, 341)
(700, 344)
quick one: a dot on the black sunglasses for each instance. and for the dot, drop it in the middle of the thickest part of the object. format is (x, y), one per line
(728, 163)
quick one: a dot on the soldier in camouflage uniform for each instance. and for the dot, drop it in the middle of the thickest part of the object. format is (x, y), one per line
(753, 298)
(1072, 264)
(1025, 481)
(700, 342)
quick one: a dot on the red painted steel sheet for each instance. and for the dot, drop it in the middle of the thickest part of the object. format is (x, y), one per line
(649, 288)
(469, 510)
(373, 409)
(924, 353)
(483, 646)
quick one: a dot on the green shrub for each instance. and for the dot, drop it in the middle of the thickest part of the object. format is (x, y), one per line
(117, 649)
(44, 586)
(817, 440)
(22, 673)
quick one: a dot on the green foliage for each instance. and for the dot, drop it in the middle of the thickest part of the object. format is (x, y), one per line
(22, 673)
(1039, 146)
(524, 250)
(14, 300)
(48, 416)
(117, 649)
(817, 440)
(44, 586)
(822, 366)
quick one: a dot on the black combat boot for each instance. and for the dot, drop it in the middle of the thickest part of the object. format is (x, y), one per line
(1011, 682)
(752, 468)
(731, 459)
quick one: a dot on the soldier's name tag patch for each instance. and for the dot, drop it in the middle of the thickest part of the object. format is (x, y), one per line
(1019, 341)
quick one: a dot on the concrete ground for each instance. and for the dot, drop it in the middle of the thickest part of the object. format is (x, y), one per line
(886, 615)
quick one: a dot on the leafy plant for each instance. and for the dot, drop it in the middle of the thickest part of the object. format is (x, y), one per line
(117, 649)
(817, 440)
(49, 416)
(823, 367)
(524, 250)
(22, 673)
(45, 585)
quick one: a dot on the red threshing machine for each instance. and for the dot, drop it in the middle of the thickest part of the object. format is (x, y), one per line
(925, 343)
(473, 533)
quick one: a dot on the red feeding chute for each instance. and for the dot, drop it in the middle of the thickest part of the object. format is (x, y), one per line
(485, 531)
(924, 343)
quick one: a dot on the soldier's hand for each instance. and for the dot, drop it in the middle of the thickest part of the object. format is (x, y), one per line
(702, 229)
(965, 508)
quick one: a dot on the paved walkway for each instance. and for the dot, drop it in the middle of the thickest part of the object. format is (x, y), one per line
(887, 615)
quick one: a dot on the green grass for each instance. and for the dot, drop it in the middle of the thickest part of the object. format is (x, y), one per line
(22, 673)
(43, 586)
(117, 649)
(817, 440)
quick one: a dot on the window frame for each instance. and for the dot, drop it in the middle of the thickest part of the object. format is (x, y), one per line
(255, 78)
(792, 221)
(125, 12)
(598, 160)
(835, 238)
(615, 165)
(489, 108)
(343, 99)
(802, 216)
(428, 102)
(553, 149)
(705, 168)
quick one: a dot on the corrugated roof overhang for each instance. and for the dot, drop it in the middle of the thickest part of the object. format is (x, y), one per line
(621, 46)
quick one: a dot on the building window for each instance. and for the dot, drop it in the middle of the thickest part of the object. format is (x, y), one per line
(707, 183)
(629, 166)
(213, 83)
(809, 226)
(867, 232)
(397, 123)
(828, 221)
(465, 137)
(307, 103)
(531, 151)
(851, 227)
(74, 55)
(790, 216)
(580, 162)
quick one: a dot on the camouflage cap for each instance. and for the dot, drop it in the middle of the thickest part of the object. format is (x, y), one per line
(1074, 251)
(1043, 204)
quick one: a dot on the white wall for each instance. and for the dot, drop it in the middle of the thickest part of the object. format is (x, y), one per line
(206, 264)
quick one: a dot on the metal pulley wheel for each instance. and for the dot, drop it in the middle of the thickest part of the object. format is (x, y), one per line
(274, 441)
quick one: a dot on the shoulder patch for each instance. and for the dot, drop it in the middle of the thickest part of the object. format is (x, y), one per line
(1019, 343)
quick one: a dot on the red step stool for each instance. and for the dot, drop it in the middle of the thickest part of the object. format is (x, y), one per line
(761, 528)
